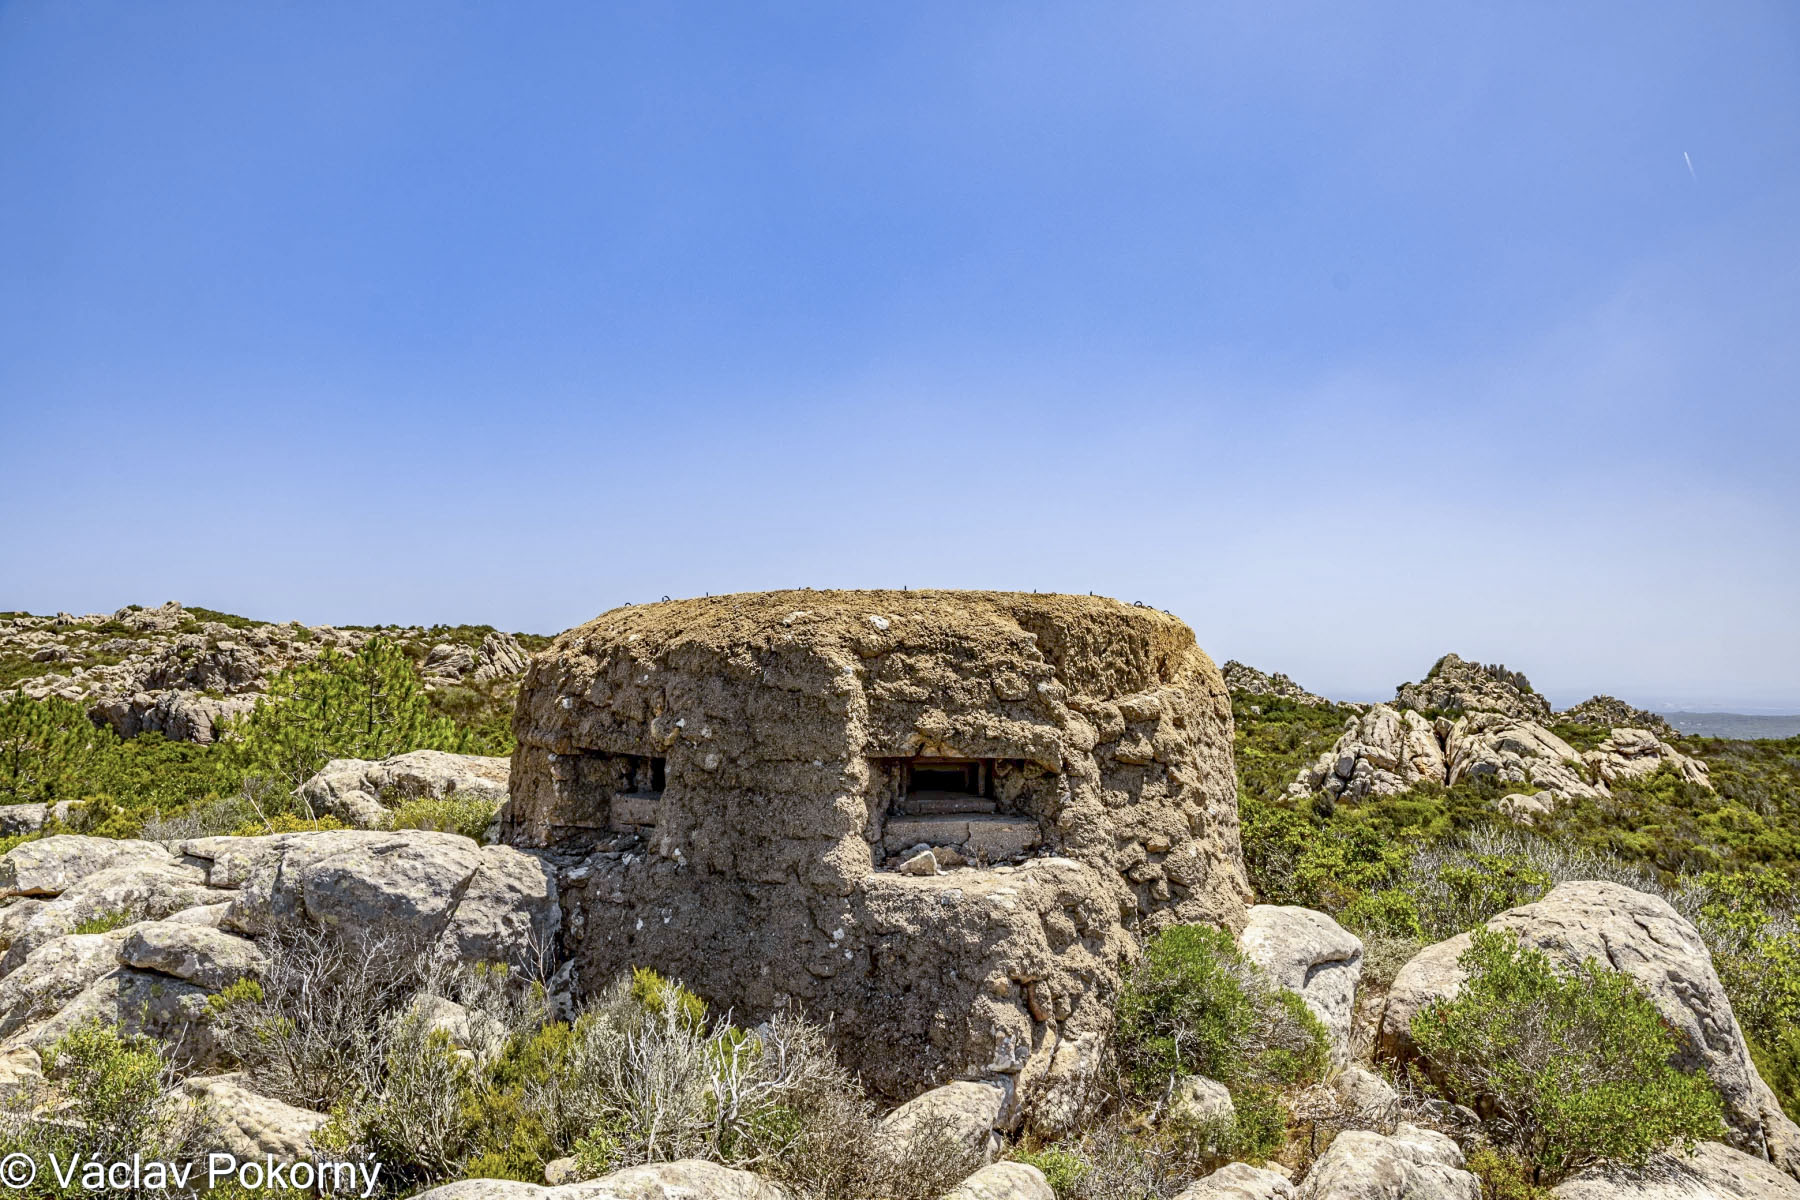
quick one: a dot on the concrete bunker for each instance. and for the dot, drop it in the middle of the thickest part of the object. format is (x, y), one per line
(736, 780)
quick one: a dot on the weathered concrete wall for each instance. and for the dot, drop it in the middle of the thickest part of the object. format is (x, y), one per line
(735, 766)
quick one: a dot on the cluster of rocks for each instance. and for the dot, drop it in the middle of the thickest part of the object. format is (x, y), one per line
(1384, 751)
(1456, 685)
(1467, 720)
(167, 670)
(1248, 681)
(362, 792)
(1610, 712)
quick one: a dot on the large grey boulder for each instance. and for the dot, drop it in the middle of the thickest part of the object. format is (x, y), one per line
(1518, 751)
(132, 890)
(1712, 1172)
(1644, 937)
(54, 974)
(52, 865)
(1412, 1163)
(490, 903)
(251, 1126)
(685, 1179)
(1003, 1181)
(138, 1002)
(211, 958)
(964, 1113)
(1633, 753)
(359, 790)
(1239, 1181)
(1309, 953)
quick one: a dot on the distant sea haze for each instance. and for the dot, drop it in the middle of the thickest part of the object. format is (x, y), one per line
(1734, 725)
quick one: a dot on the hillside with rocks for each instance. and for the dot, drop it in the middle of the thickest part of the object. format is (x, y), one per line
(911, 895)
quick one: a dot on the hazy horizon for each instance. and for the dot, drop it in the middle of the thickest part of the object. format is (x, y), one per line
(1352, 337)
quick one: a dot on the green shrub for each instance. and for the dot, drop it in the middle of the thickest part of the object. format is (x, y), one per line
(1503, 1176)
(456, 813)
(286, 822)
(1575, 1065)
(1064, 1169)
(1185, 1010)
(108, 1094)
(104, 922)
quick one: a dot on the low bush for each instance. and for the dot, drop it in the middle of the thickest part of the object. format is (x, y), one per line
(1195, 1006)
(104, 1096)
(1573, 1065)
(458, 812)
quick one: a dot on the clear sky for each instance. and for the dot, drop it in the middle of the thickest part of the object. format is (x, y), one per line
(1352, 334)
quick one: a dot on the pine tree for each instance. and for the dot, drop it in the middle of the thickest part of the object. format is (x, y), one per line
(366, 705)
(49, 750)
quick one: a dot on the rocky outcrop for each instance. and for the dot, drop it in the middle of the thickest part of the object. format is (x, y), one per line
(964, 1113)
(1455, 685)
(1710, 1172)
(1248, 681)
(182, 673)
(1516, 751)
(1644, 937)
(163, 952)
(483, 903)
(684, 1179)
(1003, 1181)
(250, 1126)
(1382, 752)
(361, 793)
(1634, 753)
(1239, 1181)
(1610, 712)
(1309, 953)
(1413, 1162)
(748, 774)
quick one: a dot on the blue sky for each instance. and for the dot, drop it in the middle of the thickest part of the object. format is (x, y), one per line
(1350, 333)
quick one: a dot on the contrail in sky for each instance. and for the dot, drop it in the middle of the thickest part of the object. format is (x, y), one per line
(1690, 163)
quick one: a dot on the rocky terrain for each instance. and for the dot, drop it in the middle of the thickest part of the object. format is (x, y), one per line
(180, 672)
(926, 861)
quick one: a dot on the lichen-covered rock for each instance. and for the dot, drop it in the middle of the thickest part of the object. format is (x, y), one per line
(1309, 953)
(487, 903)
(133, 890)
(52, 865)
(1197, 1102)
(1644, 937)
(210, 958)
(361, 792)
(1634, 753)
(137, 1002)
(1711, 1172)
(964, 1113)
(1456, 685)
(1239, 1181)
(684, 1179)
(54, 974)
(250, 1126)
(749, 773)
(1003, 1181)
(1368, 1095)
(1413, 1162)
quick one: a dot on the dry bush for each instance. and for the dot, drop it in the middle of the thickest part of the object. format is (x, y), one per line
(317, 1025)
